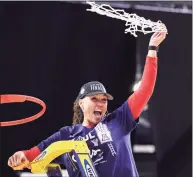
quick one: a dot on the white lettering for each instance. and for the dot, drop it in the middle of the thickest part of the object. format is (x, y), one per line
(91, 136)
(89, 170)
(95, 142)
(96, 87)
(94, 152)
(86, 138)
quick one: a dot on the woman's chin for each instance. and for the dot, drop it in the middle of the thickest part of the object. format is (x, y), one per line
(96, 120)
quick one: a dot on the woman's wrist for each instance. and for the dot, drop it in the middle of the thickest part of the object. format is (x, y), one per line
(152, 53)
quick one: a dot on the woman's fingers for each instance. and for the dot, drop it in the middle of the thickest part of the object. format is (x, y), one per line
(10, 161)
(16, 159)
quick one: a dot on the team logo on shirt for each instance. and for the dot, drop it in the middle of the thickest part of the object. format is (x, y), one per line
(103, 133)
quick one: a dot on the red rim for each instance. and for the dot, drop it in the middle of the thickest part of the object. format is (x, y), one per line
(13, 98)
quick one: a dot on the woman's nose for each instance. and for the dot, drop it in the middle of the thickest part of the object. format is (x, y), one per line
(100, 104)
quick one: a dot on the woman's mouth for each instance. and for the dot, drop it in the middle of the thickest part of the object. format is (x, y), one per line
(98, 114)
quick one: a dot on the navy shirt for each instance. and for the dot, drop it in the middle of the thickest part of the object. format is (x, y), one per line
(108, 141)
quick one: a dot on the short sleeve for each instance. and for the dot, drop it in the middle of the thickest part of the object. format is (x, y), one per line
(122, 117)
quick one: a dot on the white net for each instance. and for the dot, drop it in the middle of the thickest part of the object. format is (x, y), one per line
(134, 23)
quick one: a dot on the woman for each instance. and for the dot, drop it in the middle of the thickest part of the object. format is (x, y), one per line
(107, 136)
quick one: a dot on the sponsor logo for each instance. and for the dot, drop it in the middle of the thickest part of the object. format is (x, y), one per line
(41, 156)
(82, 91)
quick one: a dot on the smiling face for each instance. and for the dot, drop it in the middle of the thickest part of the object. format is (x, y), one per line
(94, 109)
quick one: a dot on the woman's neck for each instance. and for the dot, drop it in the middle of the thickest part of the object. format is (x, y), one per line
(88, 124)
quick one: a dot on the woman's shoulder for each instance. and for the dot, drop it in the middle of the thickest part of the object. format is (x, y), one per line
(71, 129)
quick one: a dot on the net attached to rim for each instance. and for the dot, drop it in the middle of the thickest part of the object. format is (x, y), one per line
(134, 22)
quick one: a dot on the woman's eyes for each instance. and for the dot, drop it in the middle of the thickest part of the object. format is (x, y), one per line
(103, 100)
(93, 98)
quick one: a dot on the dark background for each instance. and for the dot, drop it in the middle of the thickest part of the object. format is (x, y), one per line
(48, 50)
(170, 106)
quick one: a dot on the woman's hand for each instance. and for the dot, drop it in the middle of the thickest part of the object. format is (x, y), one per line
(157, 37)
(16, 161)
(156, 40)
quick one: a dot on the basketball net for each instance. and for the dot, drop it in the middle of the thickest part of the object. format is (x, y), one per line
(134, 23)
